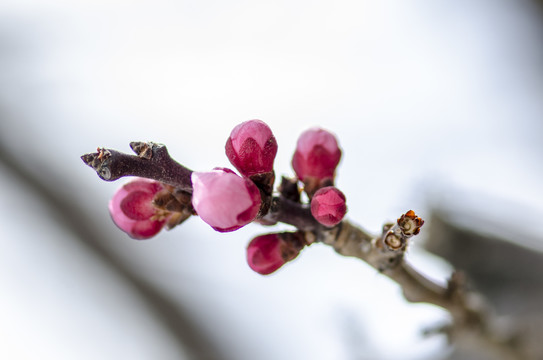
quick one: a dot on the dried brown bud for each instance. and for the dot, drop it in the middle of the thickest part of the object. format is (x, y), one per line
(410, 223)
(103, 154)
(394, 242)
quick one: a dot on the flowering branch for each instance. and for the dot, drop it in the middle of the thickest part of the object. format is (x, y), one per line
(228, 201)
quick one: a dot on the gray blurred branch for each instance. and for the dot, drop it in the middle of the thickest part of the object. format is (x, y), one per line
(506, 269)
(72, 217)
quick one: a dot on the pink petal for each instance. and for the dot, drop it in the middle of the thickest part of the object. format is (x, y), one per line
(252, 129)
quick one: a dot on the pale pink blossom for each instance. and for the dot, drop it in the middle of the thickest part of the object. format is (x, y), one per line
(224, 200)
(132, 210)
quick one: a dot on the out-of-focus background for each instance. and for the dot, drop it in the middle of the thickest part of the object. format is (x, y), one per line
(437, 105)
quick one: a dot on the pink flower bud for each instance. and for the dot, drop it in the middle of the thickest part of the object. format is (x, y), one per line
(267, 253)
(317, 154)
(251, 148)
(224, 200)
(132, 210)
(264, 254)
(328, 206)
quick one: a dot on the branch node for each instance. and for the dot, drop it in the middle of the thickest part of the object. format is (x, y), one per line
(143, 149)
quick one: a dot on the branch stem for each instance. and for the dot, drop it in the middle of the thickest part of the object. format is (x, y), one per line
(152, 162)
(470, 313)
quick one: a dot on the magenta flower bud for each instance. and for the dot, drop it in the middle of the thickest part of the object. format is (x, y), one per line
(224, 200)
(264, 254)
(267, 253)
(317, 155)
(132, 210)
(251, 148)
(328, 206)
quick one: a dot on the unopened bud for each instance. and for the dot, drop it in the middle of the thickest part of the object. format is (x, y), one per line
(317, 155)
(132, 210)
(251, 148)
(328, 206)
(410, 223)
(225, 200)
(267, 253)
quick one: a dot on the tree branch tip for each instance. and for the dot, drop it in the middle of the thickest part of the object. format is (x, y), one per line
(87, 158)
(98, 161)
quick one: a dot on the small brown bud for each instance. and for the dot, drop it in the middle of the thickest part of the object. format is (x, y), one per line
(393, 241)
(410, 223)
(103, 154)
(142, 149)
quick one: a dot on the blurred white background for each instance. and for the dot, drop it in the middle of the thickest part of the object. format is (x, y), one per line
(432, 102)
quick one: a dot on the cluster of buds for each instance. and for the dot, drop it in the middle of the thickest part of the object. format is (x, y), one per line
(227, 200)
(314, 162)
(223, 199)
